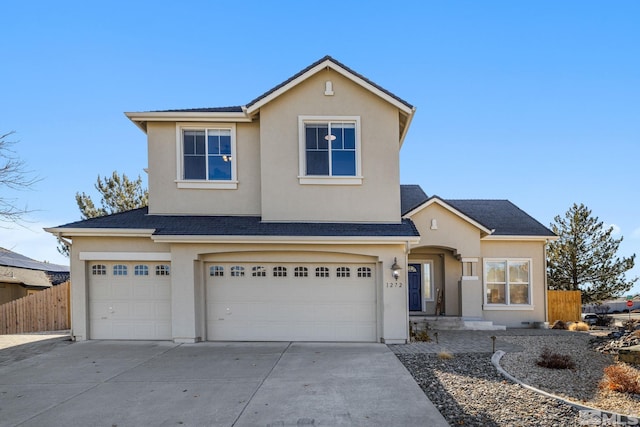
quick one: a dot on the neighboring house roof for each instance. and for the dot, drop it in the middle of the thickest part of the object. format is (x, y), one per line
(29, 273)
(12, 259)
(501, 216)
(199, 225)
(235, 109)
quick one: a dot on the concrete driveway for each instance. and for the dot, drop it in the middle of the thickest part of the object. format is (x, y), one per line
(118, 383)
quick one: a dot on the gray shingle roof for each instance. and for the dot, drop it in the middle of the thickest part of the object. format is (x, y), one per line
(197, 225)
(233, 109)
(12, 259)
(500, 215)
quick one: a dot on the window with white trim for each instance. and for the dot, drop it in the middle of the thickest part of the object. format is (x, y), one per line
(140, 270)
(507, 281)
(329, 150)
(99, 270)
(207, 157)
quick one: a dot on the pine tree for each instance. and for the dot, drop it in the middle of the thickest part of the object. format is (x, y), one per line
(118, 194)
(584, 257)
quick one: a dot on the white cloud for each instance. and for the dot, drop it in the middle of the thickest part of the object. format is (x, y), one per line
(32, 241)
(636, 233)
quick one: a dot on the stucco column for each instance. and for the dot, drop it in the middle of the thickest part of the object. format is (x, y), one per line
(79, 298)
(470, 290)
(395, 327)
(184, 304)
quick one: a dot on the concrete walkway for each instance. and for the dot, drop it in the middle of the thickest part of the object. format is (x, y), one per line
(113, 383)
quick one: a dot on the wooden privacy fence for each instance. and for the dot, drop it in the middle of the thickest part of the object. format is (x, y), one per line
(564, 305)
(47, 310)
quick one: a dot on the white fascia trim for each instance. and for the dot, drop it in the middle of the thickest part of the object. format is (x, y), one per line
(125, 256)
(407, 125)
(141, 119)
(525, 238)
(187, 116)
(97, 232)
(302, 240)
(450, 209)
(327, 64)
(505, 307)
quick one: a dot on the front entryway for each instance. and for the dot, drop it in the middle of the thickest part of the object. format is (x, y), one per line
(415, 287)
(291, 302)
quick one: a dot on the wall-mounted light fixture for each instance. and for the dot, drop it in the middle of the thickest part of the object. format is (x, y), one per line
(395, 268)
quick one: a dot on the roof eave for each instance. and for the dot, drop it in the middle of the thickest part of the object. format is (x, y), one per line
(303, 240)
(141, 119)
(522, 238)
(97, 232)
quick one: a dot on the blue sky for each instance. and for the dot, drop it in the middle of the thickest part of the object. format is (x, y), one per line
(537, 102)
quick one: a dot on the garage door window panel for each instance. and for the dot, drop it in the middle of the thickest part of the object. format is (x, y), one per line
(258, 271)
(279, 271)
(163, 270)
(120, 270)
(141, 270)
(99, 270)
(216, 271)
(237, 271)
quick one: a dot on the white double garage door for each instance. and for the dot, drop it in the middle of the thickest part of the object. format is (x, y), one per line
(243, 302)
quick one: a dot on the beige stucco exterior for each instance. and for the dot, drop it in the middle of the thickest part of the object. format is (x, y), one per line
(166, 198)
(270, 183)
(285, 199)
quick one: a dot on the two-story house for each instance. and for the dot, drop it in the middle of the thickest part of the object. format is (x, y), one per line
(284, 219)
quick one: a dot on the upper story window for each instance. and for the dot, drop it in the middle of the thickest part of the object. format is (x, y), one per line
(507, 282)
(207, 157)
(329, 150)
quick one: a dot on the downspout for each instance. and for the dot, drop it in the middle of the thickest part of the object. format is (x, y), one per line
(544, 255)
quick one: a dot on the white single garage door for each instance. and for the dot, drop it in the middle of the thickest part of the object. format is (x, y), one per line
(291, 302)
(129, 300)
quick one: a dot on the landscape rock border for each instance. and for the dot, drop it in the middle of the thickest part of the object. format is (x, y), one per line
(495, 360)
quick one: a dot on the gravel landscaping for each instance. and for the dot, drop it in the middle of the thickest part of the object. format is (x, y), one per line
(469, 391)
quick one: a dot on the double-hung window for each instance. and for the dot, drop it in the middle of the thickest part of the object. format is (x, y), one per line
(507, 283)
(207, 157)
(329, 150)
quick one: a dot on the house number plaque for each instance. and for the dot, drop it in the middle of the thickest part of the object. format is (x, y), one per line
(394, 284)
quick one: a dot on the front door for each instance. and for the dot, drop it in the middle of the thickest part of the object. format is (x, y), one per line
(415, 287)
